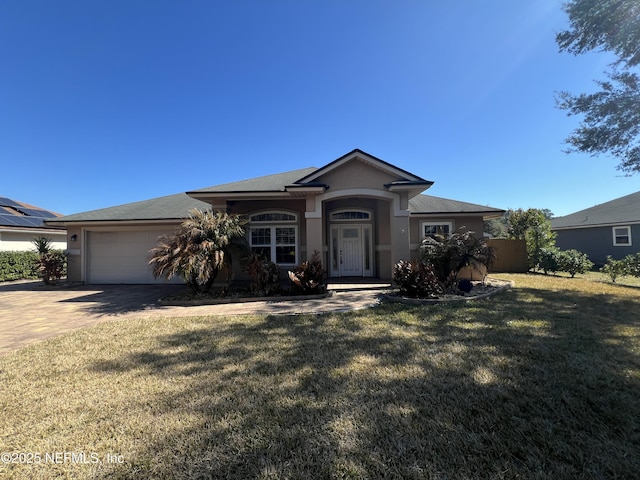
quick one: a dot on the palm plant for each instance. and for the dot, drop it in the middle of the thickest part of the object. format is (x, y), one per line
(201, 247)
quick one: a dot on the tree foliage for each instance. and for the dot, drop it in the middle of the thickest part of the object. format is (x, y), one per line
(201, 247)
(534, 226)
(611, 116)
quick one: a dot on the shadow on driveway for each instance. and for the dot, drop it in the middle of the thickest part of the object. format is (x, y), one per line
(31, 311)
(121, 299)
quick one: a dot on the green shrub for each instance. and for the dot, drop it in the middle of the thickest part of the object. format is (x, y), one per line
(18, 266)
(548, 260)
(615, 268)
(264, 275)
(632, 262)
(417, 279)
(52, 264)
(309, 277)
(573, 261)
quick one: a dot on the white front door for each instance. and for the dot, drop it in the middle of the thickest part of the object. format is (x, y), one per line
(351, 251)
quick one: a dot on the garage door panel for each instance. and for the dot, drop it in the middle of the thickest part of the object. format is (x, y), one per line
(121, 256)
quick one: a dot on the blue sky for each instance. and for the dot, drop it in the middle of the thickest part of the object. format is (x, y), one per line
(109, 102)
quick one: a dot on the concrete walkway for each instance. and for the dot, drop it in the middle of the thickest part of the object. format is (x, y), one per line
(31, 312)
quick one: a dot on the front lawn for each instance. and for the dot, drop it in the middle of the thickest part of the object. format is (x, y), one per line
(542, 381)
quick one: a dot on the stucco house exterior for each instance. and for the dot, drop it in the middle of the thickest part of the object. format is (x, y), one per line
(611, 228)
(362, 213)
(21, 222)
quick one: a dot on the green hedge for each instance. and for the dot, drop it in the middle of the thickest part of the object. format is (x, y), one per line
(18, 265)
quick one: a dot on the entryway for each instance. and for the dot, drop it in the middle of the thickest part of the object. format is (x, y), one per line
(351, 250)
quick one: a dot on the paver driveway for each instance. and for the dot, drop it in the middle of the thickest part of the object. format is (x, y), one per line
(30, 312)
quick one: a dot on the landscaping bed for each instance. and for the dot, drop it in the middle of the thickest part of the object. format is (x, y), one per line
(479, 291)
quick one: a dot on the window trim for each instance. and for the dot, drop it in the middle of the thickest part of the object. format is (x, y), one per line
(426, 223)
(628, 235)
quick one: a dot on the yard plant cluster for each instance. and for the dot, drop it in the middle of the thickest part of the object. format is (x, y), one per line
(442, 259)
(629, 266)
(539, 382)
(42, 262)
(205, 245)
(534, 226)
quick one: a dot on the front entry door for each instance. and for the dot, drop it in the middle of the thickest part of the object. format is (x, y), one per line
(351, 251)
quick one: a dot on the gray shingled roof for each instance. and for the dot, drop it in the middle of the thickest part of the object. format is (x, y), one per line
(621, 210)
(430, 204)
(269, 183)
(162, 208)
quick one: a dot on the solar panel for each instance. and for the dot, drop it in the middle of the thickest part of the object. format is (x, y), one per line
(17, 221)
(7, 202)
(8, 220)
(33, 212)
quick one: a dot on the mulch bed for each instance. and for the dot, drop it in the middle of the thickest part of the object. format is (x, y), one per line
(480, 290)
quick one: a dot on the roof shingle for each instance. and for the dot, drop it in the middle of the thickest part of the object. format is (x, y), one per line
(621, 210)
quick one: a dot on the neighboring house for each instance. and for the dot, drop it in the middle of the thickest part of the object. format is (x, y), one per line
(362, 213)
(20, 223)
(611, 228)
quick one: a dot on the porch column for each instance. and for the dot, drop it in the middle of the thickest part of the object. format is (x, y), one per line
(400, 243)
(313, 221)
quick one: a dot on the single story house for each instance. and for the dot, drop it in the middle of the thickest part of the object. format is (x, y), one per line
(362, 213)
(20, 223)
(606, 229)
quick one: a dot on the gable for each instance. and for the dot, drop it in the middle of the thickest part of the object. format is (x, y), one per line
(357, 173)
(396, 175)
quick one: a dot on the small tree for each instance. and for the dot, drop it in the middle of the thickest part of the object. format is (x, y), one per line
(534, 226)
(200, 248)
(573, 261)
(615, 268)
(548, 260)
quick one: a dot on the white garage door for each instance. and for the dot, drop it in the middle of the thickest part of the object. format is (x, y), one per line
(121, 257)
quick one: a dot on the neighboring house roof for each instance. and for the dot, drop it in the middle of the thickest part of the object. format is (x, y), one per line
(428, 204)
(623, 210)
(16, 215)
(171, 207)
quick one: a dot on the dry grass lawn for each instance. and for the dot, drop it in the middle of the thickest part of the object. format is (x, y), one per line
(540, 382)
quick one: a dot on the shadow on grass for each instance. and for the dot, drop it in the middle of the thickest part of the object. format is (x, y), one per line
(529, 384)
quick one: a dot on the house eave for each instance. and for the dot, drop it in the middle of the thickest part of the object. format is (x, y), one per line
(484, 214)
(127, 222)
(239, 195)
(39, 231)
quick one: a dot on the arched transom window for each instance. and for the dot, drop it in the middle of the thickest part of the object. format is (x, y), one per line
(274, 235)
(346, 215)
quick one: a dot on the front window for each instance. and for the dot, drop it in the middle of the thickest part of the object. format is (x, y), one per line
(431, 229)
(274, 235)
(622, 236)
